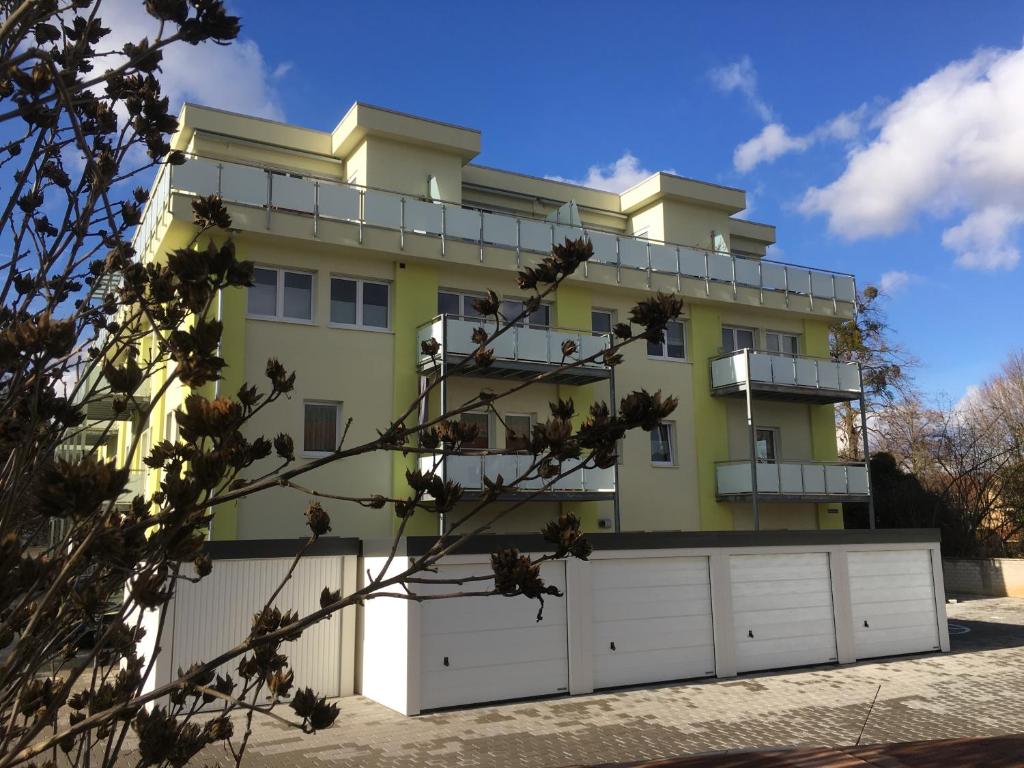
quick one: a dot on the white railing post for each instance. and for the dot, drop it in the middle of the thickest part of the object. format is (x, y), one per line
(444, 227)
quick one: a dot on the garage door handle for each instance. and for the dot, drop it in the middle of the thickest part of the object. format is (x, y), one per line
(446, 662)
(750, 633)
(613, 646)
(866, 623)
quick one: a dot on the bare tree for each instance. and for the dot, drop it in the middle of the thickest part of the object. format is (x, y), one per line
(84, 322)
(866, 339)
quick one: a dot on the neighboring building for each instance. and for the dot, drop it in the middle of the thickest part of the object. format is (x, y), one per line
(364, 235)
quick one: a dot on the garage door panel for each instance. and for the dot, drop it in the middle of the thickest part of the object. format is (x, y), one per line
(650, 572)
(763, 568)
(811, 625)
(466, 650)
(784, 603)
(449, 688)
(492, 612)
(657, 613)
(629, 668)
(627, 604)
(782, 610)
(494, 646)
(892, 595)
(655, 634)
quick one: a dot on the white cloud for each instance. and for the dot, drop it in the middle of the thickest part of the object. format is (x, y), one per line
(952, 143)
(233, 77)
(281, 70)
(772, 142)
(741, 76)
(615, 177)
(895, 281)
(983, 240)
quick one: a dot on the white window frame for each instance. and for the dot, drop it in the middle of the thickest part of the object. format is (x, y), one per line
(782, 334)
(491, 437)
(664, 346)
(672, 462)
(463, 296)
(776, 434)
(532, 418)
(612, 316)
(754, 333)
(279, 310)
(171, 427)
(360, 282)
(337, 426)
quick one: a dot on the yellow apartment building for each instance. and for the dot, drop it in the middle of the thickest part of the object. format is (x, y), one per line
(379, 233)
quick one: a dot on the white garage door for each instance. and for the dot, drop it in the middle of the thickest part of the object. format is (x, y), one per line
(652, 620)
(782, 609)
(477, 649)
(893, 599)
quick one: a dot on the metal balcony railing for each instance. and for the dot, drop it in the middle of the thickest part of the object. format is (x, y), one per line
(325, 200)
(793, 479)
(796, 372)
(470, 471)
(520, 343)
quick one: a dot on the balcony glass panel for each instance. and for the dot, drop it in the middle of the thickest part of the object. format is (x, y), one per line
(242, 184)
(773, 276)
(381, 209)
(293, 194)
(806, 372)
(828, 374)
(421, 216)
(604, 247)
(533, 345)
(846, 289)
(799, 280)
(535, 235)
(500, 230)
(821, 285)
(563, 233)
(462, 223)
(748, 273)
(633, 253)
(720, 267)
(814, 478)
(691, 262)
(338, 201)
(197, 175)
(849, 378)
(663, 258)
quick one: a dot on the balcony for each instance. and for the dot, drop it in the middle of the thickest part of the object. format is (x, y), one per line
(346, 213)
(792, 481)
(521, 352)
(785, 377)
(469, 471)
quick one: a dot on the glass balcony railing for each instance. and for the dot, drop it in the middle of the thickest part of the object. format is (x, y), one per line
(790, 479)
(793, 373)
(522, 344)
(323, 200)
(470, 471)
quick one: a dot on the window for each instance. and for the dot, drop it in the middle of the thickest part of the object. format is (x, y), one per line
(320, 428)
(602, 320)
(737, 338)
(281, 294)
(539, 318)
(483, 436)
(171, 427)
(518, 428)
(663, 444)
(766, 442)
(673, 346)
(784, 343)
(457, 304)
(361, 303)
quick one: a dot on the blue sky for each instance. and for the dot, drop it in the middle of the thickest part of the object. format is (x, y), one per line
(879, 137)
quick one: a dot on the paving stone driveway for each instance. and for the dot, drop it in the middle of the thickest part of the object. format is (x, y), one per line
(974, 691)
